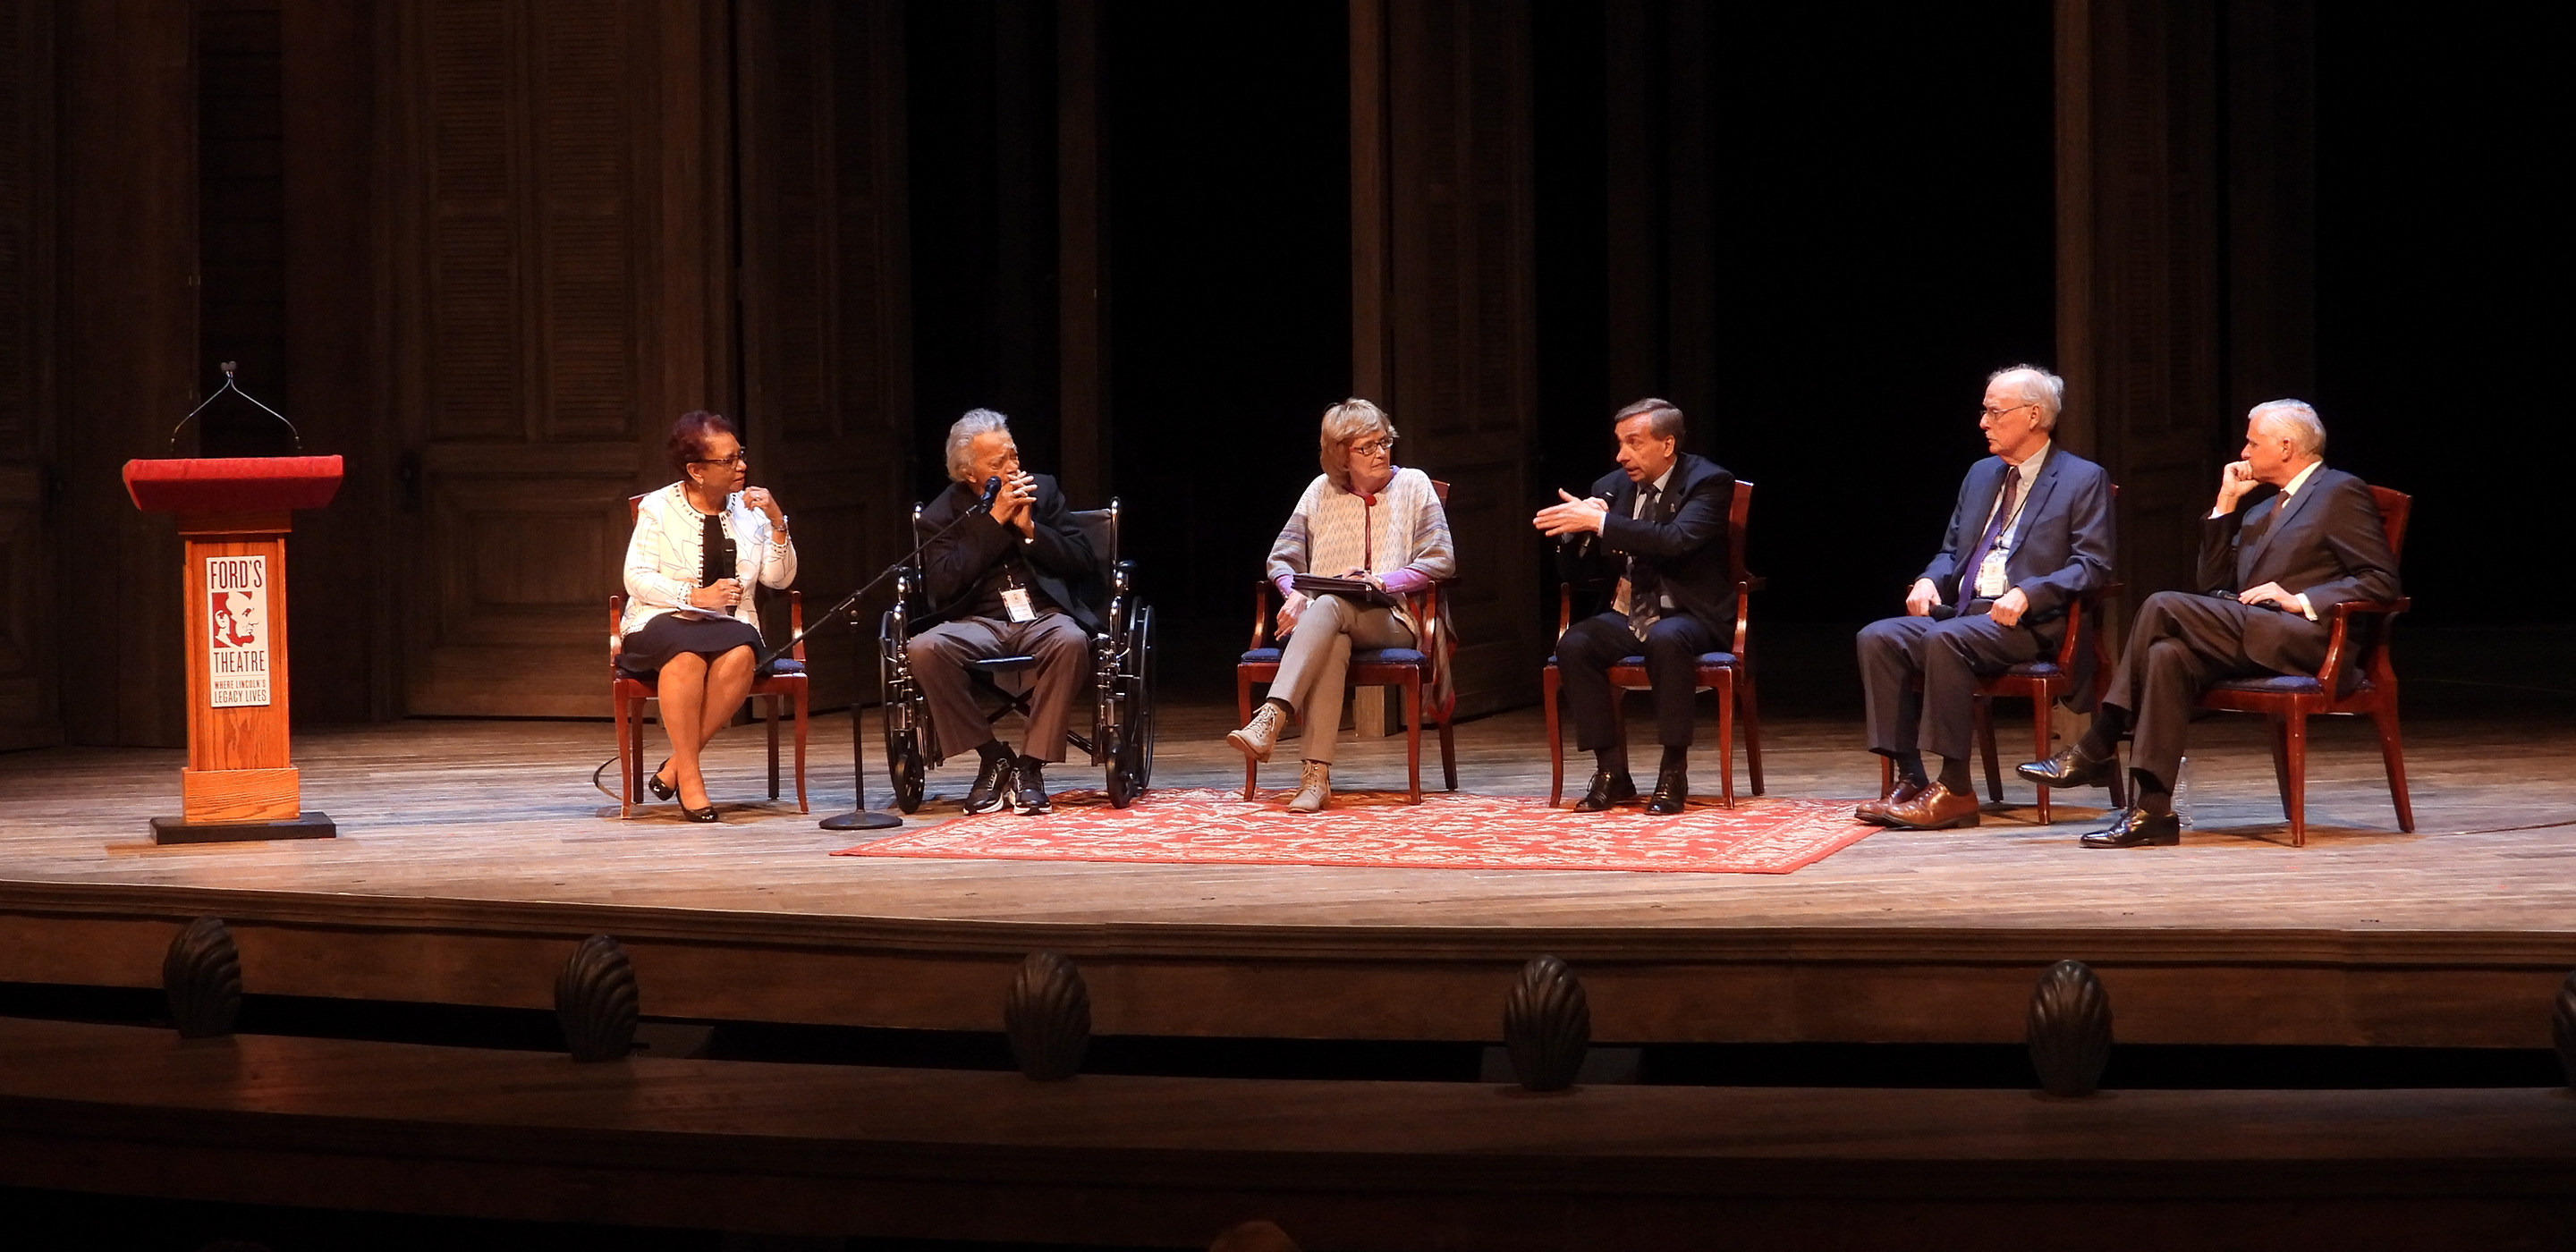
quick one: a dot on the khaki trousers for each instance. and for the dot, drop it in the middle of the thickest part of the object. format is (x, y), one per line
(1315, 664)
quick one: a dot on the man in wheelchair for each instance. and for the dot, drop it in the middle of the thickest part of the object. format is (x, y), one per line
(1002, 585)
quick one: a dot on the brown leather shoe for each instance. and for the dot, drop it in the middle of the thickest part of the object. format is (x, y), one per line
(1876, 810)
(1936, 809)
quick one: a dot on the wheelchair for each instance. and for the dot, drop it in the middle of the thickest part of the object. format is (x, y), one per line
(1121, 741)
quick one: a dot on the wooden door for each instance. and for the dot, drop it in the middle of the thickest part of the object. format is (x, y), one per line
(827, 350)
(30, 704)
(556, 212)
(1441, 298)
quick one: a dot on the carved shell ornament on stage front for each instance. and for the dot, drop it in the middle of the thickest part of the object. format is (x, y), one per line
(1048, 1017)
(202, 975)
(2070, 1029)
(1547, 1025)
(595, 1000)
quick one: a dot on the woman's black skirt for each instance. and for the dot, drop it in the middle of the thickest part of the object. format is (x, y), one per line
(667, 636)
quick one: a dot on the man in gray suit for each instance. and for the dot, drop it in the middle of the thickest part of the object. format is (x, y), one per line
(2032, 532)
(2287, 541)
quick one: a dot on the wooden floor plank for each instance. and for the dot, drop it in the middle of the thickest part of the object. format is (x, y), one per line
(501, 811)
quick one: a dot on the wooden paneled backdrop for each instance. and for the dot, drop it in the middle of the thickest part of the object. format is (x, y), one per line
(487, 249)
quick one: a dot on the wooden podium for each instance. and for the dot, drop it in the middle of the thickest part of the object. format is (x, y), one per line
(234, 513)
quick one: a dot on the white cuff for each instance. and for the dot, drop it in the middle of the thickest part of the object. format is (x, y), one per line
(2305, 607)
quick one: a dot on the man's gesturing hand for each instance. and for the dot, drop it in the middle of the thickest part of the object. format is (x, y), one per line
(1571, 516)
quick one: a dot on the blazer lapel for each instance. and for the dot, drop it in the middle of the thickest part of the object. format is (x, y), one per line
(2284, 511)
(1988, 477)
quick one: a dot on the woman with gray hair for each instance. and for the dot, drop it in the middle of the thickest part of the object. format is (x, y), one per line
(1362, 519)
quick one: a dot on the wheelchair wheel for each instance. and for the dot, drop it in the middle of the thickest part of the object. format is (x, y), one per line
(904, 767)
(1140, 737)
(1122, 781)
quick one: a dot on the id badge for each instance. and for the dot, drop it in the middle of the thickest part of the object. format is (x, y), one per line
(1990, 575)
(1015, 602)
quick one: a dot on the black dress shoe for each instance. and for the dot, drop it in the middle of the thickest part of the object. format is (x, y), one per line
(661, 790)
(1028, 790)
(1607, 789)
(1672, 792)
(707, 814)
(2069, 768)
(2137, 828)
(992, 789)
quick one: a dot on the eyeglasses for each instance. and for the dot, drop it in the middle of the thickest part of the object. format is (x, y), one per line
(1374, 446)
(741, 456)
(1984, 413)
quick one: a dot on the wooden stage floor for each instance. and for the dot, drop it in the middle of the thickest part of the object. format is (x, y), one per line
(482, 846)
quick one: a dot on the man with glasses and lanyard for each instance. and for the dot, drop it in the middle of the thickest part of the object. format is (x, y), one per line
(2032, 531)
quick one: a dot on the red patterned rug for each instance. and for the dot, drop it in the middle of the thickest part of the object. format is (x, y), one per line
(1378, 830)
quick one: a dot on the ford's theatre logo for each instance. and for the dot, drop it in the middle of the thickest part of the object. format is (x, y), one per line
(237, 631)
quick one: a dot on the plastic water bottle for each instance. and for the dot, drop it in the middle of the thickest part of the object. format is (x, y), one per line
(2182, 792)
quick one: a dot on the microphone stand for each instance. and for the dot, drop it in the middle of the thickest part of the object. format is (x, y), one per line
(860, 817)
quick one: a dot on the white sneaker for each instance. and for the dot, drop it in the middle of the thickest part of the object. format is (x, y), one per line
(1261, 734)
(1314, 788)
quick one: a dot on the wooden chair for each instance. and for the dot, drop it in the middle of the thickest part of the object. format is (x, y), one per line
(1407, 668)
(627, 694)
(2354, 681)
(2043, 683)
(1729, 674)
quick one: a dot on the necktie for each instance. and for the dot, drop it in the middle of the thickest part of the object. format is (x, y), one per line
(2249, 538)
(1994, 530)
(1645, 601)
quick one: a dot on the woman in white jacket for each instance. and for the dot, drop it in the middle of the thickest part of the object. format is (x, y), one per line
(689, 618)
(1361, 518)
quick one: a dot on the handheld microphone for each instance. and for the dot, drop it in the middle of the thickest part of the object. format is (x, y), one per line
(992, 492)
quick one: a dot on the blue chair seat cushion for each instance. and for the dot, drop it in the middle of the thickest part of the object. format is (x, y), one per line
(787, 665)
(1359, 656)
(1726, 659)
(2277, 685)
(2034, 669)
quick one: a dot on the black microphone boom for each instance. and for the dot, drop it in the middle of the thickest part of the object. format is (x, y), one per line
(860, 818)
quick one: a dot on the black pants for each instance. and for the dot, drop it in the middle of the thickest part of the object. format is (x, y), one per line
(2179, 646)
(1672, 649)
(1949, 655)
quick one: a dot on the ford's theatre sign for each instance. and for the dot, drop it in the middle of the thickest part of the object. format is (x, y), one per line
(238, 631)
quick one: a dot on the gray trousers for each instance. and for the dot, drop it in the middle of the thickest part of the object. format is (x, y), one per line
(1315, 664)
(1949, 655)
(2179, 646)
(939, 656)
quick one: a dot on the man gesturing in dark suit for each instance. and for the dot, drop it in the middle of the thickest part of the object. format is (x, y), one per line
(1657, 525)
(2031, 533)
(2288, 540)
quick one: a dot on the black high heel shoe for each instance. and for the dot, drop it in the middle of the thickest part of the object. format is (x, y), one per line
(661, 790)
(707, 814)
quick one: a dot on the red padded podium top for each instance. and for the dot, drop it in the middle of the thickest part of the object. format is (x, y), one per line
(232, 484)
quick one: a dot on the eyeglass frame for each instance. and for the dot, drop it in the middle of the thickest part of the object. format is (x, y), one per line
(1383, 443)
(741, 456)
(1983, 412)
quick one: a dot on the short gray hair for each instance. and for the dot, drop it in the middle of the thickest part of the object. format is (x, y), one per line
(961, 440)
(1345, 424)
(2296, 419)
(2035, 386)
(1663, 417)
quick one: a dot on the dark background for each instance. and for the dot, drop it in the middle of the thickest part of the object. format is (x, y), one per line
(1885, 227)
